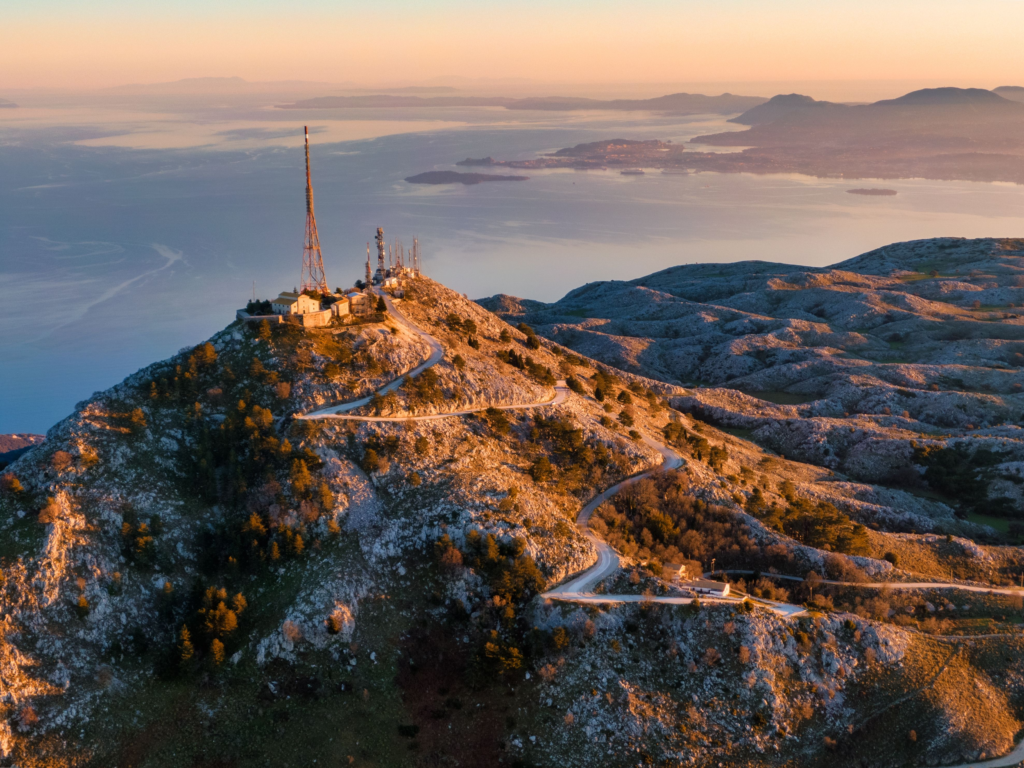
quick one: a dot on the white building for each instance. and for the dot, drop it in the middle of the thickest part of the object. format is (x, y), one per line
(708, 587)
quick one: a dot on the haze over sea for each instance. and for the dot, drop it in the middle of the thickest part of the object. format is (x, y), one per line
(118, 246)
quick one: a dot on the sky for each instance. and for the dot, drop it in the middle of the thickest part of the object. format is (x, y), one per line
(101, 43)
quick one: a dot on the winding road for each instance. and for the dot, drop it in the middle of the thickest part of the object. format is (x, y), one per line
(342, 410)
(1006, 761)
(580, 588)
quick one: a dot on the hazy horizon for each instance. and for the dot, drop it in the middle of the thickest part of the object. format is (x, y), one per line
(115, 42)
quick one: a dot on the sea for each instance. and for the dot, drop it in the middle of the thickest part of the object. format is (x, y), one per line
(128, 233)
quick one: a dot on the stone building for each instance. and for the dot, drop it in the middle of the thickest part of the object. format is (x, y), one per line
(289, 303)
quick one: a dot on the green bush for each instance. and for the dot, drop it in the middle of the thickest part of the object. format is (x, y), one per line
(541, 471)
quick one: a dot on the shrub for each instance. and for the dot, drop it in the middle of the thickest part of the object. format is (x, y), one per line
(498, 421)
(504, 337)
(381, 304)
(291, 631)
(541, 471)
(448, 557)
(10, 484)
(560, 639)
(50, 513)
(459, 362)
(818, 525)
(575, 385)
(893, 558)
(505, 657)
(61, 461)
(371, 461)
(422, 446)
(414, 479)
(334, 624)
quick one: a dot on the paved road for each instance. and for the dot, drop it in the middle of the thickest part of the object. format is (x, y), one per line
(607, 559)
(1007, 761)
(579, 589)
(891, 584)
(436, 355)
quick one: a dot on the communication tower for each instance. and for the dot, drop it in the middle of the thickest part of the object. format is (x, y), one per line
(381, 273)
(313, 277)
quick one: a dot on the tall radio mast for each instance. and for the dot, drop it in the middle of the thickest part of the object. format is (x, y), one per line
(312, 260)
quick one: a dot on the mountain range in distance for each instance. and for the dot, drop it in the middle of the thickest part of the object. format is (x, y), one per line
(679, 103)
(967, 134)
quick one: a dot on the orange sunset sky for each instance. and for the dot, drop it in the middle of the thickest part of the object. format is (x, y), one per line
(79, 44)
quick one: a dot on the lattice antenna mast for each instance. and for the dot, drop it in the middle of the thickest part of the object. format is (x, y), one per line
(380, 250)
(313, 277)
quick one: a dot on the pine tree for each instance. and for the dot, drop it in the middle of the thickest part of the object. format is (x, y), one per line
(185, 645)
(300, 477)
(217, 652)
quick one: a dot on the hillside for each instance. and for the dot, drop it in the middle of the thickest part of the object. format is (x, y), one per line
(256, 552)
(878, 369)
(12, 446)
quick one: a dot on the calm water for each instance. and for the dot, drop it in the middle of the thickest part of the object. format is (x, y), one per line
(114, 257)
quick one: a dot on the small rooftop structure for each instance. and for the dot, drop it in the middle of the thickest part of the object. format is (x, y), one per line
(341, 307)
(684, 570)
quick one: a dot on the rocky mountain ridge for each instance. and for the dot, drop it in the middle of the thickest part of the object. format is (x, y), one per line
(193, 576)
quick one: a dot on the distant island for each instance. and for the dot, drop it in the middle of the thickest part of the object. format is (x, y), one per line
(951, 134)
(454, 177)
(5, 104)
(599, 155)
(872, 192)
